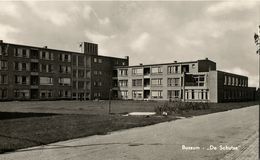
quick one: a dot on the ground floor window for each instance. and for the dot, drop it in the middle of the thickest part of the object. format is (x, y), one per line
(21, 93)
(124, 94)
(3, 93)
(137, 94)
(157, 94)
(46, 93)
(173, 94)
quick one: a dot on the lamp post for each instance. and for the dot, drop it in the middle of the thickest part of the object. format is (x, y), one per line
(109, 103)
(257, 42)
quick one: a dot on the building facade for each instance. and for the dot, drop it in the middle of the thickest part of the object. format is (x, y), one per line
(195, 81)
(40, 73)
(35, 73)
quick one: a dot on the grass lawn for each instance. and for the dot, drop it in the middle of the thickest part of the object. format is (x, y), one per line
(74, 119)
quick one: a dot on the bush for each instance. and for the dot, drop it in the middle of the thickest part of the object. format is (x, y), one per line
(176, 107)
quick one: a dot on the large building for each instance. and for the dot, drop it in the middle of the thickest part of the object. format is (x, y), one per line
(40, 73)
(195, 81)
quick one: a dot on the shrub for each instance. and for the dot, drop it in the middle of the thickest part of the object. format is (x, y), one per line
(176, 107)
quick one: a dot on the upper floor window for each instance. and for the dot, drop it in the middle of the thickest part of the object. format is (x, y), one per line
(156, 70)
(3, 51)
(123, 83)
(173, 81)
(46, 55)
(21, 66)
(137, 82)
(21, 80)
(65, 57)
(156, 81)
(123, 72)
(46, 81)
(100, 60)
(65, 81)
(65, 69)
(3, 65)
(3, 79)
(21, 52)
(156, 94)
(173, 69)
(95, 60)
(137, 71)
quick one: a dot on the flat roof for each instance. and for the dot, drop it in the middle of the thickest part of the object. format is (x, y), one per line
(57, 50)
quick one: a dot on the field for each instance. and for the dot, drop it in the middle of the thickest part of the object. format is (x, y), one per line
(32, 123)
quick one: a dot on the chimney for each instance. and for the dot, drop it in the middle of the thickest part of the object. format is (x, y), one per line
(175, 61)
(206, 58)
(140, 64)
(45, 47)
(1, 41)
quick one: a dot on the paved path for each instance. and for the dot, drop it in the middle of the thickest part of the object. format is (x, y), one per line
(237, 128)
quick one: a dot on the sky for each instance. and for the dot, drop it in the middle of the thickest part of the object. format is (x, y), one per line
(147, 32)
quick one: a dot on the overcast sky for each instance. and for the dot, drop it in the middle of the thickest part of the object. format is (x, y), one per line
(148, 32)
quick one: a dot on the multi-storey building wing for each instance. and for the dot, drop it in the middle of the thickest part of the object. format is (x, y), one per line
(40, 73)
(186, 81)
(35, 73)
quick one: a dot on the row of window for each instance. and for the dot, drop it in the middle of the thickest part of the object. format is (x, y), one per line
(79, 84)
(154, 82)
(236, 94)
(171, 94)
(154, 70)
(81, 73)
(235, 81)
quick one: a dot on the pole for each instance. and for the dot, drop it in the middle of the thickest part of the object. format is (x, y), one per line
(109, 104)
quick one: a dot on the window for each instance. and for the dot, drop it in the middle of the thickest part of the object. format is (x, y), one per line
(137, 71)
(123, 83)
(225, 80)
(122, 72)
(3, 65)
(100, 72)
(46, 94)
(81, 73)
(81, 61)
(156, 94)
(137, 82)
(156, 70)
(20, 52)
(173, 69)
(99, 60)
(21, 93)
(46, 81)
(95, 60)
(65, 81)
(173, 94)
(229, 80)
(124, 94)
(156, 81)
(21, 80)
(3, 79)
(46, 55)
(65, 69)
(97, 94)
(81, 84)
(3, 93)
(95, 72)
(64, 93)
(137, 94)
(173, 82)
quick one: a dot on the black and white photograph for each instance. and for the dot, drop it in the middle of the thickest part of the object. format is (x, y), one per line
(129, 80)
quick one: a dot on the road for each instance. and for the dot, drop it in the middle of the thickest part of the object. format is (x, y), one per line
(165, 141)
